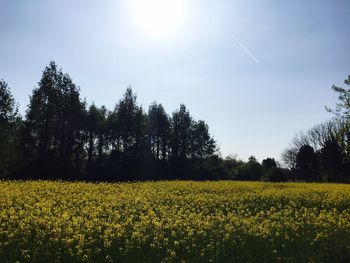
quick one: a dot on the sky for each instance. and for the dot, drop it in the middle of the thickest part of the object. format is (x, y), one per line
(256, 71)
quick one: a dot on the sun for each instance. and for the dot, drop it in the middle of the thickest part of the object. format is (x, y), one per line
(158, 18)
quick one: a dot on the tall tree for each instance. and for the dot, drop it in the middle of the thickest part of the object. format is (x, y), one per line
(71, 118)
(307, 163)
(55, 117)
(180, 133)
(268, 163)
(289, 157)
(91, 127)
(43, 112)
(342, 113)
(159, 131)
(130, 125)
(342, 108)
(202, 144)
(332, 158)
(10, 127)
(102, 139)
(97, 137)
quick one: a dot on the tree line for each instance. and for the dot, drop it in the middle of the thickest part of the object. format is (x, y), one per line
(62, 137)
(323, 152)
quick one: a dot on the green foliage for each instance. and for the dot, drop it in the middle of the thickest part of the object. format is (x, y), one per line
(250, 171)
(10, 127)
(96, 134)
(268, 163)
(275, 174)
(55, 117)
(63, 139)
(307, 164)
(342, 108)
(181, 122)
(8, 109)
(323, 152)
(159, 131)
(202, 144)
(331, 156)
(130, 125)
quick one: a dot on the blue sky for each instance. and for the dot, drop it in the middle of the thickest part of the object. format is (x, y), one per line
(209, 61)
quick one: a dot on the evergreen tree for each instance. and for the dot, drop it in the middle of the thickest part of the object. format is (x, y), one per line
(159, 131)
(10, 127)
(130, 123)
(202, 144)
(307, 164)
(268, 163)
(332, 161)
(181, 133)
(43, 113)
(55, 120)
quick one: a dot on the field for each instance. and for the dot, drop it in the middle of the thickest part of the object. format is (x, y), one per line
(182, 221)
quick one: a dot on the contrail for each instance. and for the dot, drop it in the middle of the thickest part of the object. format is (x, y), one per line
(246, 50)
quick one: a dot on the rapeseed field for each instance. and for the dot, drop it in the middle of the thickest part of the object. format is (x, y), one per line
(179, 221)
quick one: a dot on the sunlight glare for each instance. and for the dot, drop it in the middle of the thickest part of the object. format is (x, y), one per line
(157, 18)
